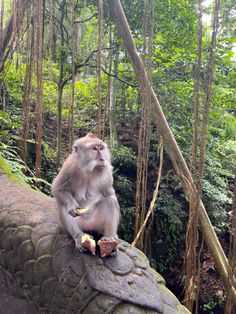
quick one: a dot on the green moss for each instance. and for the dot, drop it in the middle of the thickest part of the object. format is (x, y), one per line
(4, 166)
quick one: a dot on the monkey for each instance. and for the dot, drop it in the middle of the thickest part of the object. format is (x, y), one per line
(85, 181)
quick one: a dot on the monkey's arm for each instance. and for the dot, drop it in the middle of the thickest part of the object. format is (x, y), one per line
(83, 241)
(66, 205)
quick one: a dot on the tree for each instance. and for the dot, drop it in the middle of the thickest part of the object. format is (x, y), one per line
(38, 14)
(192, 269)
(99, 67)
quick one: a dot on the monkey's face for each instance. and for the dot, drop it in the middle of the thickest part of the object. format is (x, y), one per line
(92, 153)
(96, 153)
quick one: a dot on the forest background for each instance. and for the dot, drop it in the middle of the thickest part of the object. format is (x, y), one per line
(64, 72)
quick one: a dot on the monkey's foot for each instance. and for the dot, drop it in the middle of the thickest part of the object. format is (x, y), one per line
(87, 243)
(108, 246)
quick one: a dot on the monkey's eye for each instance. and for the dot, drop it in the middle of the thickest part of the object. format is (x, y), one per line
(94, 148)
(102, 147)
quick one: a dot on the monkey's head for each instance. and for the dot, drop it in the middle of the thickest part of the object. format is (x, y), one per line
(92, 153)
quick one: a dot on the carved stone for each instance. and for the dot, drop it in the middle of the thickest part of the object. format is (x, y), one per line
(51, 272)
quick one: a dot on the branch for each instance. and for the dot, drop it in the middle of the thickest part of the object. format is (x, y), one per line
(59, 22)
(118, 78)
(86, 20)
(78, 66)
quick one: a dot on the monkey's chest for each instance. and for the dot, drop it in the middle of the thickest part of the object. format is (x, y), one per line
(87, 194)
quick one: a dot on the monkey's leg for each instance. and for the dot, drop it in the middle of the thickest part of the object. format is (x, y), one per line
(83, 242)
(110, 209)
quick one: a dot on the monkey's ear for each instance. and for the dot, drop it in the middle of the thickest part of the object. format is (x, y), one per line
(75, 148)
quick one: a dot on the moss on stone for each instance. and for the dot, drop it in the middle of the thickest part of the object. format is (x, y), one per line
(6, 169)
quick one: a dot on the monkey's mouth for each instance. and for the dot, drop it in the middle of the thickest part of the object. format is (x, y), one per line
(100, 167)
(101, 164)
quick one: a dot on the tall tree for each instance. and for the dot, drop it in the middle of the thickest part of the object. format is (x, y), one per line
(39, 26)
(99, 67)
(60, 81)
(72, 98)
(192, 228)
(52, 35)
(27, 92)
(2, 98)
(12, 30)
(208, 90)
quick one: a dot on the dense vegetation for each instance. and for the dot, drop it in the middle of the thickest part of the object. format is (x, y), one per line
(61, 74)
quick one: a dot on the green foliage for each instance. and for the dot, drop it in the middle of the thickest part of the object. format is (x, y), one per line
(168, 235)
(126, 226)
(124, 158)
(216, 183)
(124, 162)
(14, 82)
(5, 125)
(13, 165)
(213, 304)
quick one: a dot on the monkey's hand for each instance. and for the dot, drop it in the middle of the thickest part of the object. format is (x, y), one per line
(85, 242)
(108, 246)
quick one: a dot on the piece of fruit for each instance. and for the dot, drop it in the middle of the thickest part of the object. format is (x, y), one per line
(107, 246)
(89, 243)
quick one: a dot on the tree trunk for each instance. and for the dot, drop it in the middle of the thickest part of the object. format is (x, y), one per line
(39, 10)
(109, 83)
(209, 80)
(72, 98)
(52, 35)
(196, 96)
(192, 269)
(99, 68)
(2, 96)
(60, 86)
(1, 30)
(169, 142)
(8, 30)
(27, 92)
(231, 302)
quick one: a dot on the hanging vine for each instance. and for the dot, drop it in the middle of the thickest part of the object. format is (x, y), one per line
(144, 137)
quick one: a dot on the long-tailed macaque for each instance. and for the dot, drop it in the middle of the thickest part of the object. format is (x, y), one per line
(85, 196)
